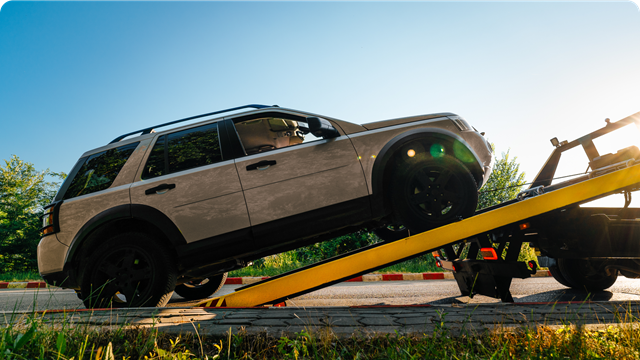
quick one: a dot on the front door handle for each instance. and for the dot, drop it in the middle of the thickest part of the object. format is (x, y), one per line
(159, 188)
(262, 165)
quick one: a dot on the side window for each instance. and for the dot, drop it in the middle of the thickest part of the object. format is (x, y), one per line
(155, 165)
(270, 133)
(98, 171)
(183, 150)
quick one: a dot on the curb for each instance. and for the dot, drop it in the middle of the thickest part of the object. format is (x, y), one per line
(28, 285)
(250, 280)
(378, 277)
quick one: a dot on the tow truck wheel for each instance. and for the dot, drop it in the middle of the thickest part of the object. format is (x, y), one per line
(555, 272)
(433, 192)
(589, 275)
(194, 290)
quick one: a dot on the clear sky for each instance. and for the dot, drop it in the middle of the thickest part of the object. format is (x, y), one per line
(75, 75)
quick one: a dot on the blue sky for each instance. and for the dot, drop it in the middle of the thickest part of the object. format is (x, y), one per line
(74, 75)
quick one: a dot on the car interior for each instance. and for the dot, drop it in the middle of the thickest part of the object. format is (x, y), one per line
(264, 134)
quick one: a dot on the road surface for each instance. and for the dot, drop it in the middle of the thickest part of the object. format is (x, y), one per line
(357, 293)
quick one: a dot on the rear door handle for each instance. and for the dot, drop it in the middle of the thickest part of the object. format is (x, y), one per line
(262, 165)
(159, 188)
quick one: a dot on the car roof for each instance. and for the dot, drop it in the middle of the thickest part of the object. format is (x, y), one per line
(149, 132)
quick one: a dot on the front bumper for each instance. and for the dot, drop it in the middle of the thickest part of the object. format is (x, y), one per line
(64, 279)
(51, 255)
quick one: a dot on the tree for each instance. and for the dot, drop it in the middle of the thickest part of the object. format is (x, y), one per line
(24, 192)
(505, 182)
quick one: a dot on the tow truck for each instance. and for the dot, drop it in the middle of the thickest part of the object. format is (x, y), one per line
(583, 248)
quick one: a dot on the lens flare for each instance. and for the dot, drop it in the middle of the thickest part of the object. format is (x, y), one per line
(462, 153)
(437, 151)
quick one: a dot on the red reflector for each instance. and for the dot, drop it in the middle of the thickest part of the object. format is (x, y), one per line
(489, 253)
(524, 226)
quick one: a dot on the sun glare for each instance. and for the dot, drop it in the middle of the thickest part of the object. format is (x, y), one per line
(610, 144)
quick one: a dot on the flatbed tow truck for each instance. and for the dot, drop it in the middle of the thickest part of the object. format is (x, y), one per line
(584, 248)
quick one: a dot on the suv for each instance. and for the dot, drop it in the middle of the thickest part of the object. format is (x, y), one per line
(178, 209)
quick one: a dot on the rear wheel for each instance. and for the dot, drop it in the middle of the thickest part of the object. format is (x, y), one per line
(391, 232)
(589, 275)
(433, 192)
(194, 290)
(128, 270)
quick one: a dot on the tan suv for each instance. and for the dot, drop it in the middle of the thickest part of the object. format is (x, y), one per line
(177, 209)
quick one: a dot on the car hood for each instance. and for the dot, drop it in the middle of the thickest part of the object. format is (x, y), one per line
(404, 120)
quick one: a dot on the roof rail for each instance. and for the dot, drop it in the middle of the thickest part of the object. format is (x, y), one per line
(149, 129)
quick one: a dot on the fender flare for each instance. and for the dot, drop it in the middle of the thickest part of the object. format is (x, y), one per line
(148, 214)
(387, 152)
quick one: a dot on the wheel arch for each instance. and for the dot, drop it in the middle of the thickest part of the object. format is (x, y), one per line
(125, 218)
(383, 164)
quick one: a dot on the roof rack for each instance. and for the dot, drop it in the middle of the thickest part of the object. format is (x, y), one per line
(149, 129)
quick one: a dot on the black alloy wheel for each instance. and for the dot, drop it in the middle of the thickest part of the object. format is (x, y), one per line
(433, 192)
(587, 275)
(391, 233)
(128, 270)
(194, 290)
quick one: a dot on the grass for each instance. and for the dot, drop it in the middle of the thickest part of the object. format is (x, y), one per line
(20, 276)
(35, 338)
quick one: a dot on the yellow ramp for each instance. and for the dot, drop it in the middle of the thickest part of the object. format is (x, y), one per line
(330, 272)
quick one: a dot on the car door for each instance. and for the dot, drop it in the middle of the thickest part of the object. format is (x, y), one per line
(186, 177)
(297, 182)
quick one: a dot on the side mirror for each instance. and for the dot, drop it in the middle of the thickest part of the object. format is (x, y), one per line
(320, 127)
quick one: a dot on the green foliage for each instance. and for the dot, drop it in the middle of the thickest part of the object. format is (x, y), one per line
(39, 338)
(23, 194)
(504, 183)
(337, 246)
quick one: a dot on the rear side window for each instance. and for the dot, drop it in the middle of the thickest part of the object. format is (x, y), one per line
(98, 171)
(183, 150)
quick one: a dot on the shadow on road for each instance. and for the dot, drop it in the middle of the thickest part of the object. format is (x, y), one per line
(567, 295)
(562, 295)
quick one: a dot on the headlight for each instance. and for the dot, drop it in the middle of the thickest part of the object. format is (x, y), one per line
(48, 221)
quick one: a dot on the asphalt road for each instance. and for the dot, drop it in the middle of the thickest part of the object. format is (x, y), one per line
(358, 293)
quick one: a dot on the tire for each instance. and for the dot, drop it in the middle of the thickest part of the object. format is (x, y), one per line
(392, 232)
(433, 192)
(205, 288)
(555, 272)
(128, 270)
(588, 275)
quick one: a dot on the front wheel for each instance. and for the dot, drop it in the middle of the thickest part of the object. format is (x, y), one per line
(589, 275)
(433, 192)
(194, 290)
(128, 270)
